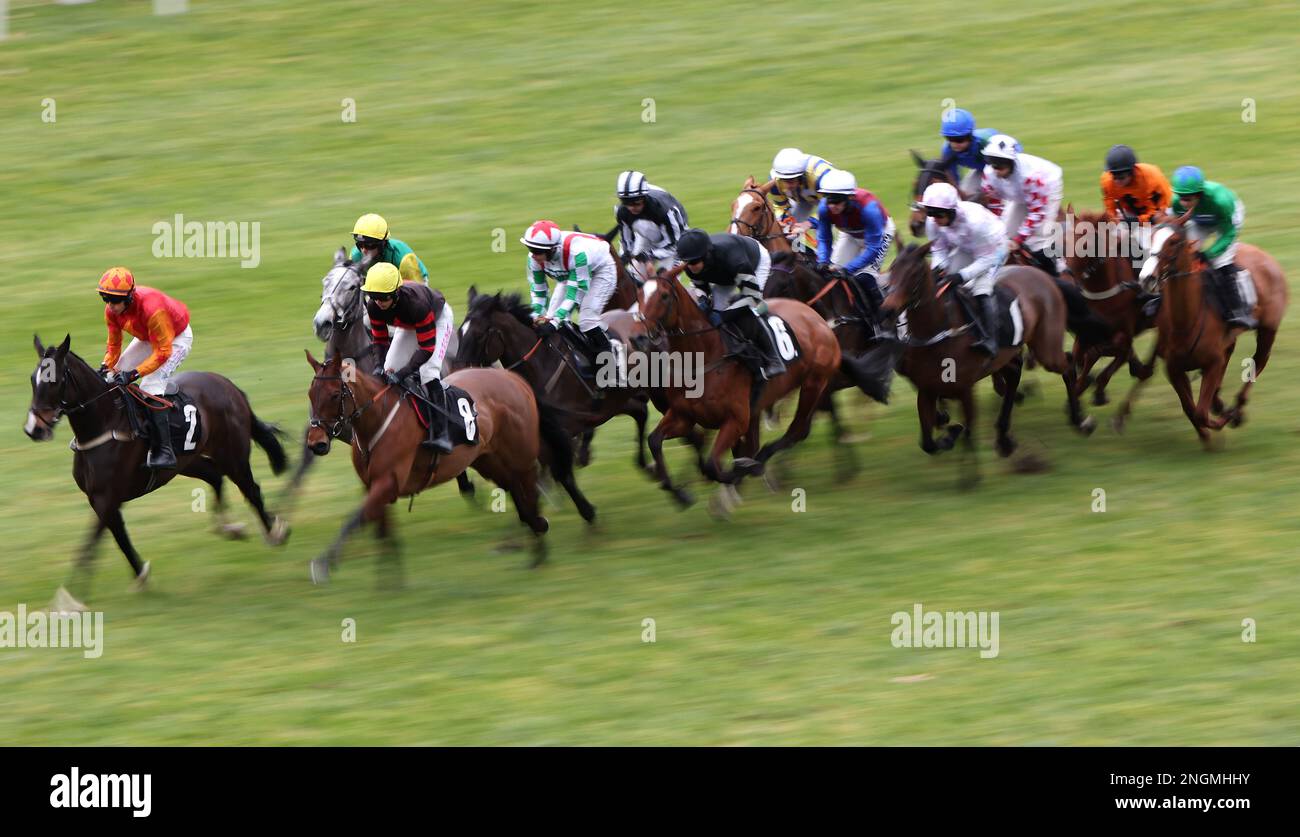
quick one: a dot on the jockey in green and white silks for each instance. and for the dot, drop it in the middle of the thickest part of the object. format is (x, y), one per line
(585, 278)
(1217, 216)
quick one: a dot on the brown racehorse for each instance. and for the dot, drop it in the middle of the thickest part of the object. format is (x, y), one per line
(1192, 335)
(752, 215)
(514, 433)
(1109, 283)
(499, 328)
(673, 318)
(108, 456)
(939, 359)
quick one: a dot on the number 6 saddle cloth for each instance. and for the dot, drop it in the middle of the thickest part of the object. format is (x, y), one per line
(787, 345)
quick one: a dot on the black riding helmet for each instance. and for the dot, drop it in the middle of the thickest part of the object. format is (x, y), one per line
(1120, 160)
(693, 245)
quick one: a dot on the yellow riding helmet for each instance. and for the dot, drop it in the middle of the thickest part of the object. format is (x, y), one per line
(371, 226)
(117, 281)
(383, 278)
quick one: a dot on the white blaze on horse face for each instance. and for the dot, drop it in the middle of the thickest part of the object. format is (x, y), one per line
(1157, 244)
(741, 202)
(651, 288)
(31, 422)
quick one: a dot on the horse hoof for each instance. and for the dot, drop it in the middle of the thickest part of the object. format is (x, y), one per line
(279, 532)
(1006, 446)
(141, 580)
(320, 571)
(232, 531)
(1117, 424)
(539, 553)
(719, 507)
(1088, 425)
(1238, 418)
(941, 418)
(772, 482)
(1099, 398)
(65, 602)
(747, 467)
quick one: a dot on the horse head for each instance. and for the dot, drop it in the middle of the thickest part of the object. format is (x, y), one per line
(909, 279)
(928, 171)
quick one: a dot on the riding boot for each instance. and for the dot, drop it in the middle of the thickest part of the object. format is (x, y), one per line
(869, 299)
(1238, 311)
(161, 456)
(986, 323)
(761, 334)
(437, 439)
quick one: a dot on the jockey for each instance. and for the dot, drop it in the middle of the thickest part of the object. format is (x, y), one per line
(731, 270)
(1134, 193)
(1032, 186)
(160, 328)
(970, 241)
(585, 278)
(371, 236)
(649, 221)
(1217, 211)
(867, 231)
(963, 147)
(410, 325)
(794, 192)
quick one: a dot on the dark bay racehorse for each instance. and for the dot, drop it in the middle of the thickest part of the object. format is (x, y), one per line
(498, 328)
(108, 457)
(939, 359)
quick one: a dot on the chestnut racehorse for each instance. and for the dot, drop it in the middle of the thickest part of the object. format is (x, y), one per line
(939, 359)
(673, 318)
(513, 430)
(1192, 335)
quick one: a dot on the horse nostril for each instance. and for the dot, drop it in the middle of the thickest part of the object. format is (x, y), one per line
(320, 448)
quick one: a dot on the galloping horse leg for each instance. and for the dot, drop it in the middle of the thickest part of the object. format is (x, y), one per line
(1010, 383)
(583, 454)
(523, 490)
(1140, 370)
(391, 573)
(206, 470)
(1123, 345)
(112, 518)
(1263, 348)
(927, 411)
(671, 426)
(275, 530)
(81, 567)
(727, 436)
(640, 413)
(305, 461)
(466, 487)
(969, 460)
(382, 492)
(810, 395)
(1183, 387)
(1211, 381)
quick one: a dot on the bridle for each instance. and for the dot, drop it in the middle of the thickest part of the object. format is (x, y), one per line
(335, 428)
(342, 319)
(766, 216)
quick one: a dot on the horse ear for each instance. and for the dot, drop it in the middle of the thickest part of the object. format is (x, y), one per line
(340, 257)
(40, 348)
(917, 158)
(473, 294)
(62, 351)
(766, 188)
(314, 365)
(1182, 219)
(924, 249)
(750, 183)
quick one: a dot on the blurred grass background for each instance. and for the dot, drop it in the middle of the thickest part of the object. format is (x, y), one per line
(1116, 628)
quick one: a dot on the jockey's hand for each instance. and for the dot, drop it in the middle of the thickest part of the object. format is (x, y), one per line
(104, 371)
(125, 378)
(392, 378)
(1012, 245)
(545, 326)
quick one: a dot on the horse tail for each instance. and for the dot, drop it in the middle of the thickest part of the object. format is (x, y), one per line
(267, 437)
(1079, 319)
(556, 444)
(873, 370)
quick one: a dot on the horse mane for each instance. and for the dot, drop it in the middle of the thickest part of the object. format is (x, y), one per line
(501, 302)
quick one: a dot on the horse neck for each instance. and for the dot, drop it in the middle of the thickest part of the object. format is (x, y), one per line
(365, 390)
(98, 415)
(928, 317)
(698, 334)
(351, 342)
(1186, 298)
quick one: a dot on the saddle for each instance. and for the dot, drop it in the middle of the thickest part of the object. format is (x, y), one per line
(580, 352)
(184, 419)
(1010, 326)
(737, 345)
(461, 413)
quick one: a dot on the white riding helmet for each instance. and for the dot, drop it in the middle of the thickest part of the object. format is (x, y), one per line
(789, 162)
(1001, 147)
(940, 196)
(631, 184)
(838, 182)
(541, 235)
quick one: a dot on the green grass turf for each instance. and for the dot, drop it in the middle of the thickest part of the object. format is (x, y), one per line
(1116, 628)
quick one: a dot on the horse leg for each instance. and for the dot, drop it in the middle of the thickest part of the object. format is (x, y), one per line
(1123, 351)
(80, 571)
(274, 529)
(583, 455)
(1140, 370)
(206, 470)
(1010, 383)
(970, 462)
(112, 518)
(381, 492)
(523, 490)
(1263, 348)
(640, 413)
(926, 410)
(391, 573)
(671, 426)
(1211, 381)
(305, 461)
(727, 436)
(810, 395)
(1183, 387)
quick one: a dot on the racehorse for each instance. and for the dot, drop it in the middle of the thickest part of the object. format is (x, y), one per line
(1108, 282)
(513, 432)
(341, 323)
(752, 215)
(1191, 333)
(108, 456)
(498, 328)
(939, 359)
(723, 401)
